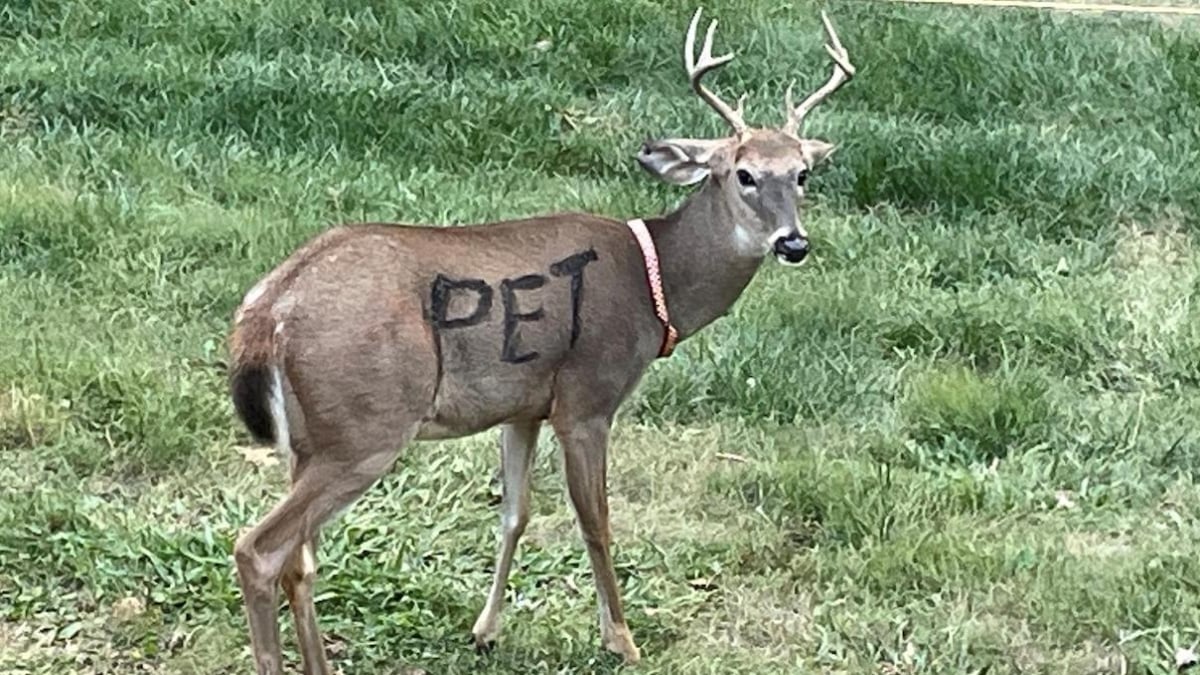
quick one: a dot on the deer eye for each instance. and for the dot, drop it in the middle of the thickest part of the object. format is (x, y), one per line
(744, 178)
(802, 178)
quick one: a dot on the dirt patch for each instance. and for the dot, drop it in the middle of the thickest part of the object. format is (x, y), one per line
(1096, 545)
(1175, 14)
(1162, 242)
(657, 486)
(1168, 7)
(753, 617)
(28, 420)
(1156, 268)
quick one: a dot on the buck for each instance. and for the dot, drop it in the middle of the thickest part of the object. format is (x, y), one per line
(372, 335)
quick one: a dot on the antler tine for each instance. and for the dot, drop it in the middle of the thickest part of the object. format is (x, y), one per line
(697, 69)
(843, 71)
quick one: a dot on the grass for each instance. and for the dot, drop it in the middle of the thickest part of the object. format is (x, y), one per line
(969, 427)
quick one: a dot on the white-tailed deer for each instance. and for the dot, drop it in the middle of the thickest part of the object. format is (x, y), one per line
(372, 335)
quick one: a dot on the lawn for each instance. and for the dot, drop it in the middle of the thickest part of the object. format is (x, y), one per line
(962, 439)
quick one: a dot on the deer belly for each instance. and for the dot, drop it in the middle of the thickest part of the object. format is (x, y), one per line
(489, 374)
(468, 406)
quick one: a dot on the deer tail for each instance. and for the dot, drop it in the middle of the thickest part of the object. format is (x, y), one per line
(255, 379)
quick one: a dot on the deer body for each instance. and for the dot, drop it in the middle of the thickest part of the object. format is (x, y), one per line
(373, 335)
(486, 325)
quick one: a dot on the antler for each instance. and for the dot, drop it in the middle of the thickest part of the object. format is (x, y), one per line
(842, 72)
(707, 63)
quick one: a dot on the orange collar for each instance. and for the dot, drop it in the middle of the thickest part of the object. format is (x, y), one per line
(654, 276)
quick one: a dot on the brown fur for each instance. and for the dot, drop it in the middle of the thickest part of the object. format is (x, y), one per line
(359, 342)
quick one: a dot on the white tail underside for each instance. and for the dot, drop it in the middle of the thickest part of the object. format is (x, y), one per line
(283, 441)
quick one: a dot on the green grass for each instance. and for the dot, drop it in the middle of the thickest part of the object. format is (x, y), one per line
(969, 426)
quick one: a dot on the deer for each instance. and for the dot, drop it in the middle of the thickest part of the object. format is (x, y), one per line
(372, 335)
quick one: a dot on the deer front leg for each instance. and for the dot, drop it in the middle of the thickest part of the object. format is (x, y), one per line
(518, 445)
(585, 454)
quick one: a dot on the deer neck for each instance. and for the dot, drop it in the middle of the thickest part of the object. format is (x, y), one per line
(703, 271)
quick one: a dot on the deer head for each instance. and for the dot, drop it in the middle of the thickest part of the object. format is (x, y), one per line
(757, 174)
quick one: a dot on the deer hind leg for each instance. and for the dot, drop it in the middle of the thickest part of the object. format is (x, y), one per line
(518, 445)
(585, 454)
(298, 580)
(322, 487)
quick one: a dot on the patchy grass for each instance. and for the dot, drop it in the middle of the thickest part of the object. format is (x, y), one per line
(964, 439)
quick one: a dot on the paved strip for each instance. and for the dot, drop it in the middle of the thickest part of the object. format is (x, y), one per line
(1068, 6)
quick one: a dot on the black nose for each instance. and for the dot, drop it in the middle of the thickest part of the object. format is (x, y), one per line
(792, 248)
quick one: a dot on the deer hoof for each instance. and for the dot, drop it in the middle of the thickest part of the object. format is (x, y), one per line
(483, 645)
(622, 644)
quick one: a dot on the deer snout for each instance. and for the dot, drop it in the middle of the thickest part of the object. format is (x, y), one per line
(791, 248)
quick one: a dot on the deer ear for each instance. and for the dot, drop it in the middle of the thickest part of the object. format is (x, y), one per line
(816, 151)
(679, 161)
